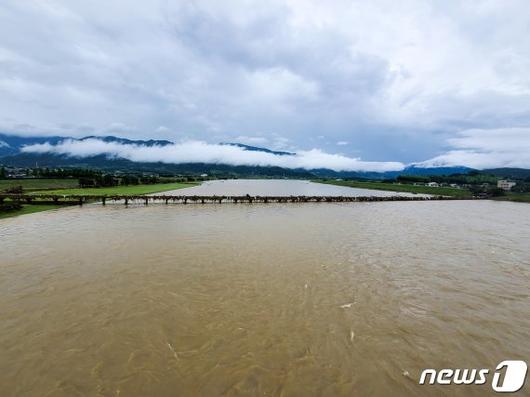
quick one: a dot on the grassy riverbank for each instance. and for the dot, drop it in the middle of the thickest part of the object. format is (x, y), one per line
(39, 184)
(29, 209)
(131, 189)
(136, 189)
(395, 187)
(516, 197)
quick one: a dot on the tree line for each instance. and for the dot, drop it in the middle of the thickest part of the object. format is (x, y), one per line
(97, 178)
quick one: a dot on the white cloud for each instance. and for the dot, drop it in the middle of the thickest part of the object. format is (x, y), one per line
(478, 148)
(202, 152)
(342, 143)
(408, 73)
(4, 144)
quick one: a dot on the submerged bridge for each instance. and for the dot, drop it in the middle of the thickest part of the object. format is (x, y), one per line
(146, 199)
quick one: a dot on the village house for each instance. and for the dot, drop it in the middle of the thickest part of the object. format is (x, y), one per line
(505, 184)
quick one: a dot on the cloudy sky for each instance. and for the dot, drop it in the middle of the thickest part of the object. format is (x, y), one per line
(365, 82)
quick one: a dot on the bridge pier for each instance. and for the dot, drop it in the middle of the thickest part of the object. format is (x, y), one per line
(81, 199)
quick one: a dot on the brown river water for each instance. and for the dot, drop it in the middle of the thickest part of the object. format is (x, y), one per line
(330, 299)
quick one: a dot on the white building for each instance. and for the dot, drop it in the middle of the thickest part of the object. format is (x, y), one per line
(433, 184)
(505, 184)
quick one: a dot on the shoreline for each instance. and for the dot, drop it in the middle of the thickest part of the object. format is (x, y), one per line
(115, 190)
(418, 189)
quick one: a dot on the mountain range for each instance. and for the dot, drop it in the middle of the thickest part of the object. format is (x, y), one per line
(11, 155)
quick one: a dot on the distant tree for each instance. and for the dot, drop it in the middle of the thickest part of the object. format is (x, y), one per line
(87, 182)
(521, 188)
(490, 191)
(147, 180)
(3, 173)
(108, 180)
(130, 180)
(496, 192)
(412, 179)
(14, 190)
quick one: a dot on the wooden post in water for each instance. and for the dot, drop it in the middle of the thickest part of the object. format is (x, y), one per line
(146, 201)
(103, 200)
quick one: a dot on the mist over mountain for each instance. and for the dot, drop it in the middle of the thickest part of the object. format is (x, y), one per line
(42, 152)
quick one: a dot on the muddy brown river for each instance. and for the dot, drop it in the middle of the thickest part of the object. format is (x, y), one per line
(328, 299)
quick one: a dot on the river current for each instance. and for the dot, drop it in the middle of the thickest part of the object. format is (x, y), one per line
(329, 299)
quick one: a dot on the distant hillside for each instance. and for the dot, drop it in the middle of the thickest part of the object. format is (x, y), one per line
(11, 155)
(124, 141)
(11, 144)
(28, 160)
(259, 149)
(515, 173)
(410, 170)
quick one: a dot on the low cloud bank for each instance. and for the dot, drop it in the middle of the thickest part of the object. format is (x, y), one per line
(202, 152)
(486, 148)
(474, 148)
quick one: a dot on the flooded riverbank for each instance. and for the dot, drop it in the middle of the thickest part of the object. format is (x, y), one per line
(278, 187)
(335, 299)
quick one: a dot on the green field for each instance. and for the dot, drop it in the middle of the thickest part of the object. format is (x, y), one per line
(39, 184)
(116, 190)
(132, 190)
(395, 187)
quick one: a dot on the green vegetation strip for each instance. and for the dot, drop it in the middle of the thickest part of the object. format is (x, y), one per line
(39, 184)
(517, 197)
(395, 187)
(29, 209)
(123, 190)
